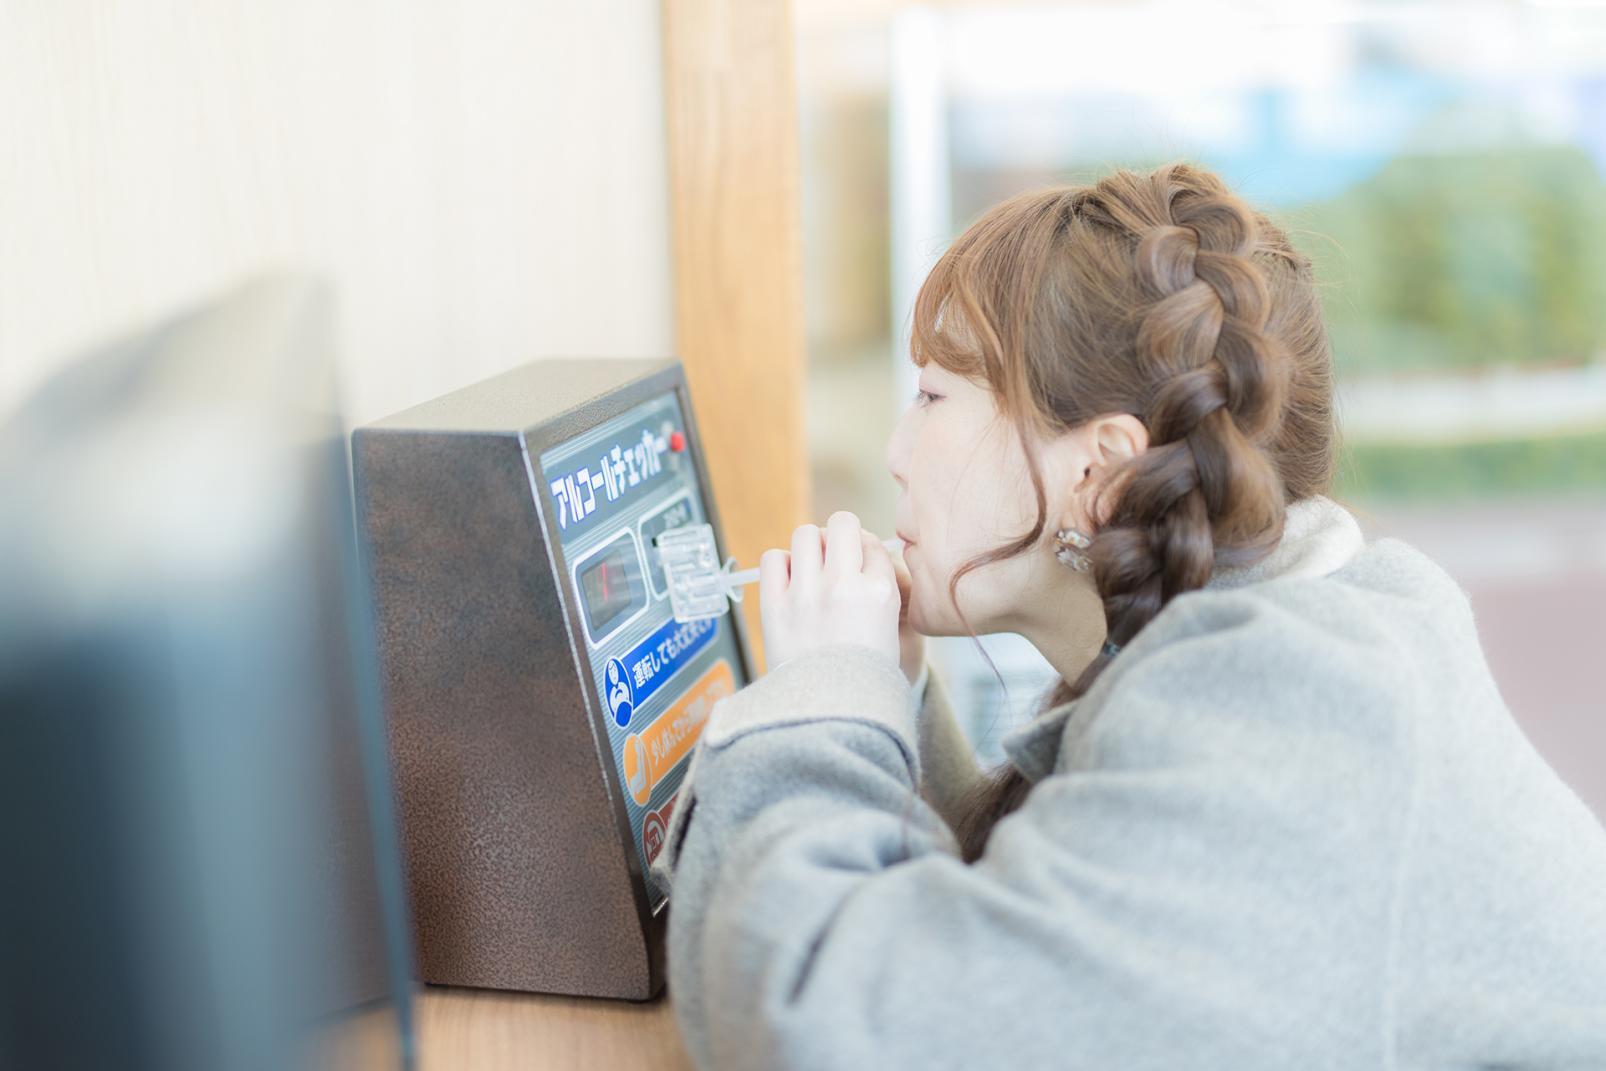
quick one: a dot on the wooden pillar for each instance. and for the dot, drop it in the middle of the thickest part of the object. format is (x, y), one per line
(735, 206)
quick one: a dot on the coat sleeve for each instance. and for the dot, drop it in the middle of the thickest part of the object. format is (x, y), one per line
(1213, 886)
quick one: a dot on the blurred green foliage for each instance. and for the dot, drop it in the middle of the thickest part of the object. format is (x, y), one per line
(1461, 261)
(1452, 263)
(1451, 471)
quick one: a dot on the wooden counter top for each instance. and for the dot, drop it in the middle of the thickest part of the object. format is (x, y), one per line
(486, 1030)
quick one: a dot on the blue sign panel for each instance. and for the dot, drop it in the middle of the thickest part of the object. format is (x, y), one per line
(653, 661)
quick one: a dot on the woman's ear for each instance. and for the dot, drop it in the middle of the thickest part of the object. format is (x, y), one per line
(1098, 446)
(1119, 436)
(1103, 442)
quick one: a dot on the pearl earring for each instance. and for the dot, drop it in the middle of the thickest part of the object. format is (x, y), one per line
(1067, 538)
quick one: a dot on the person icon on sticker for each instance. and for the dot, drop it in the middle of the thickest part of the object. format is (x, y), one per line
(616, 686)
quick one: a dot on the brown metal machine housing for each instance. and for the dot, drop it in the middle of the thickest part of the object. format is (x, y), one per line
(519, 836)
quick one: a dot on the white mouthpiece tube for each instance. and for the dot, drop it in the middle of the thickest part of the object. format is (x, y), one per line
(749, 576)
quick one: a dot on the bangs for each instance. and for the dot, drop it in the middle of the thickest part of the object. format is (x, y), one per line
(950, 326)
(974, 313)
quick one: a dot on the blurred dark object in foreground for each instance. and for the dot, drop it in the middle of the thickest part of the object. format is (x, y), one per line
(198, 864)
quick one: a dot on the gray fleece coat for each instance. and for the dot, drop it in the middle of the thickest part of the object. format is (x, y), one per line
(1292, 826)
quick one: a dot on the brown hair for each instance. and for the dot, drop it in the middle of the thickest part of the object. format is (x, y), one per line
(1159, 294)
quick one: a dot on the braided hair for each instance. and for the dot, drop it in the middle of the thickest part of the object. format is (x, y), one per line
(1160, 294)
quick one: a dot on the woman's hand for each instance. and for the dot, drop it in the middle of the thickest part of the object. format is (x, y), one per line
(836, 586)
(911, 644)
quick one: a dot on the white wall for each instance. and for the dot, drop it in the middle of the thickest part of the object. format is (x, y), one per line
(483, 182)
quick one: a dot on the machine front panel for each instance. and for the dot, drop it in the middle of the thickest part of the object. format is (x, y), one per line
(611, 490)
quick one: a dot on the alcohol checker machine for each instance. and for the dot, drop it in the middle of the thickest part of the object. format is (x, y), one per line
(542, 700)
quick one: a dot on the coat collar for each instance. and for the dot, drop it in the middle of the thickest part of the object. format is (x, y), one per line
(1319, 537)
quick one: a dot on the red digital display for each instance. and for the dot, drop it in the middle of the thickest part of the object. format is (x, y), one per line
(611, 586)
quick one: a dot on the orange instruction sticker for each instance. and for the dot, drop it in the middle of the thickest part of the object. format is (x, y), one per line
(653, 752)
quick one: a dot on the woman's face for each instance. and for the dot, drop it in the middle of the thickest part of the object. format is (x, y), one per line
(965, 490)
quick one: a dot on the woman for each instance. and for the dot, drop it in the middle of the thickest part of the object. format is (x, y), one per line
(1276, 813)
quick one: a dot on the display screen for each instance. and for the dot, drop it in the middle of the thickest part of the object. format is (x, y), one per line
(610, 492)
(610, 585)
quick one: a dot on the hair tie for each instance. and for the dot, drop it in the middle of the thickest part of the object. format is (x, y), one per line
(1110, 649)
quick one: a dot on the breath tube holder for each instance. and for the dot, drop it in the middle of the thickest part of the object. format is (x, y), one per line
(699, 586)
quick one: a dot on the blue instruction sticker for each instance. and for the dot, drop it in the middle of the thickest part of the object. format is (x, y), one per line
(655, 659)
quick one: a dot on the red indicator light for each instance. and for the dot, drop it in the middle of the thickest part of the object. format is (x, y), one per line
(677, 441)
